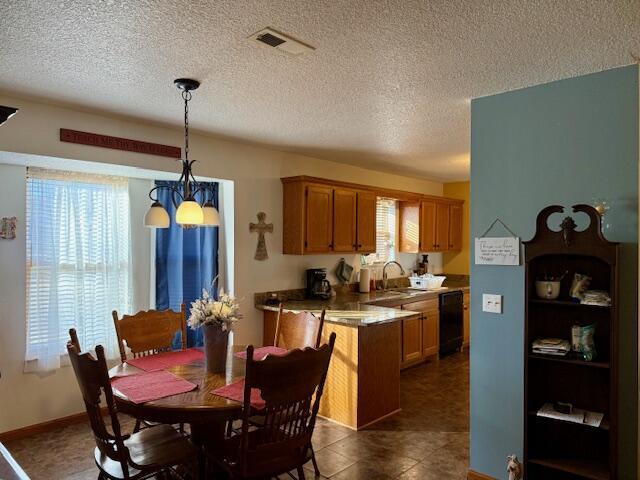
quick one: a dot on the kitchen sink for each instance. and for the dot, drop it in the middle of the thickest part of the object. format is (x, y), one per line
(357, 314)
(409, 292)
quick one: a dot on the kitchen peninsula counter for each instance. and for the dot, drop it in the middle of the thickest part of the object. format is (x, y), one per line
(379, 303)
(363, 384)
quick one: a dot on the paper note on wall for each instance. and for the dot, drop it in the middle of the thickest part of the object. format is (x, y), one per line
(497, 251)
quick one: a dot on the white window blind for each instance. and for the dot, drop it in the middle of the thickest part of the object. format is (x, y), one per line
(78, 262)
(385, 230)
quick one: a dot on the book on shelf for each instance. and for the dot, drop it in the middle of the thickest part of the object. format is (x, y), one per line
(551, 346)
(596, 297)
(584, 417)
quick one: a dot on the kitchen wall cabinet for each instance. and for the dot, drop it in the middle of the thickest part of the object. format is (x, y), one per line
(344, 220)
(319, 219)
(455, 226)
(435, 223)
(322, 218)
(442, 227)
(366, 222)
(428, 226)
(327, 216)
(409, 227)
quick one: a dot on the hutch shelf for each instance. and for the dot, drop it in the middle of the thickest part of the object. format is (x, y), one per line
(558, 449)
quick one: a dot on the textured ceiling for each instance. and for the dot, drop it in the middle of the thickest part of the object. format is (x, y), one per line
(388, 86)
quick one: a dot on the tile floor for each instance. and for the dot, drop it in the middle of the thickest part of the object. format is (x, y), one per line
(428, 440)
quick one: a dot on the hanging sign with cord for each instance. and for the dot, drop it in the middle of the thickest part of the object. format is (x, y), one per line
(497, 250)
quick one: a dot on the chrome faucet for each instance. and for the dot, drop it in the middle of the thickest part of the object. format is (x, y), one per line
(384, 272)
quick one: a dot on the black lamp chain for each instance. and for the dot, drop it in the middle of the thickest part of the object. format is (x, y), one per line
(186, 95)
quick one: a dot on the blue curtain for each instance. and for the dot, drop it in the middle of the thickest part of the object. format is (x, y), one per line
(186, 261)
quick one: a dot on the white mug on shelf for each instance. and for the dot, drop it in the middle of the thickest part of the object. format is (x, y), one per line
(549, 290)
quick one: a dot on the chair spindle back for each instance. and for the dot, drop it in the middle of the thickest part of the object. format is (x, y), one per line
(298, 329)
(150, 332)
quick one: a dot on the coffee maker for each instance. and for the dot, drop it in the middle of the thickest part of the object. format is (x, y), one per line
(317, 284)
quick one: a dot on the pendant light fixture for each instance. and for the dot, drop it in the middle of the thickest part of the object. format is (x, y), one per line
(189, 212)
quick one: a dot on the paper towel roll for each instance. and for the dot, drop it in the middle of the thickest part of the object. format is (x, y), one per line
(365, 276)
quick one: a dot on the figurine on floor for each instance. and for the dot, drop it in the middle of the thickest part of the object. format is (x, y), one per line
(514, 468)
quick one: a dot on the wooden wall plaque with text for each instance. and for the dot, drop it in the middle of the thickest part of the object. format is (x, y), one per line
(117, 143)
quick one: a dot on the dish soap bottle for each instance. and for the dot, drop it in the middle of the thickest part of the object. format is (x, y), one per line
(423, 266)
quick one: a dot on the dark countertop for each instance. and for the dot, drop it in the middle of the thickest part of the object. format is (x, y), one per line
(365, 309)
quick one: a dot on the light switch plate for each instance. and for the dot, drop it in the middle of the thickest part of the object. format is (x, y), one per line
(491, 303)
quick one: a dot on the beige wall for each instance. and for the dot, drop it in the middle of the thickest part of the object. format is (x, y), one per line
(460, 262)
(29, 398)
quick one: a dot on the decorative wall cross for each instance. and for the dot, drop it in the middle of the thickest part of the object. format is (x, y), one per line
(261, 227)
(8, 228)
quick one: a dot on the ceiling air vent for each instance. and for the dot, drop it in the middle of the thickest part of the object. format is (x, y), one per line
(281, 41)
(270, 39)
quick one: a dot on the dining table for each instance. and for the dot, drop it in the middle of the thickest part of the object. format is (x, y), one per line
(206, 413)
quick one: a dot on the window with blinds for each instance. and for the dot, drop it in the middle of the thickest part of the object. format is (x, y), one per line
(385, 230)
(78, 261)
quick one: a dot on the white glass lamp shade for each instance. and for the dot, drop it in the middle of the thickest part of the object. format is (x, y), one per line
(211, 215)
(156, 216)
(189, 213)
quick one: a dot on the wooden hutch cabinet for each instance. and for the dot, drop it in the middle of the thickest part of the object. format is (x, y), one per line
(556, 448)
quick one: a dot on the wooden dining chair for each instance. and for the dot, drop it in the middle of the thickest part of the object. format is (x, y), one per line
(291, 387)
(152, 451)
(298, 329)
(147, 333)
(150, 332)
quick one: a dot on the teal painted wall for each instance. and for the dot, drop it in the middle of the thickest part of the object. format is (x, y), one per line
(565, 142)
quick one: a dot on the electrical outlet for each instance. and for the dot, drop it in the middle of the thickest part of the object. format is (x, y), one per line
(491, 303)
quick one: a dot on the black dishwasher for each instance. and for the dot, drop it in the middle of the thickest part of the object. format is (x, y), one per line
(451, 322)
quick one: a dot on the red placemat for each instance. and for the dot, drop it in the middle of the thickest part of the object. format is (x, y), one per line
(162, 361)
(261, 352)
(145, 387)
(235, 391)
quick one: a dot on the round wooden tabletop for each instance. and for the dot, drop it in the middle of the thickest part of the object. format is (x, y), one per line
(197, 406)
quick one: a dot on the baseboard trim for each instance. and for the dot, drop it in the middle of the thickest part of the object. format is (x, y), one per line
(473, 475)
(44, 427)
